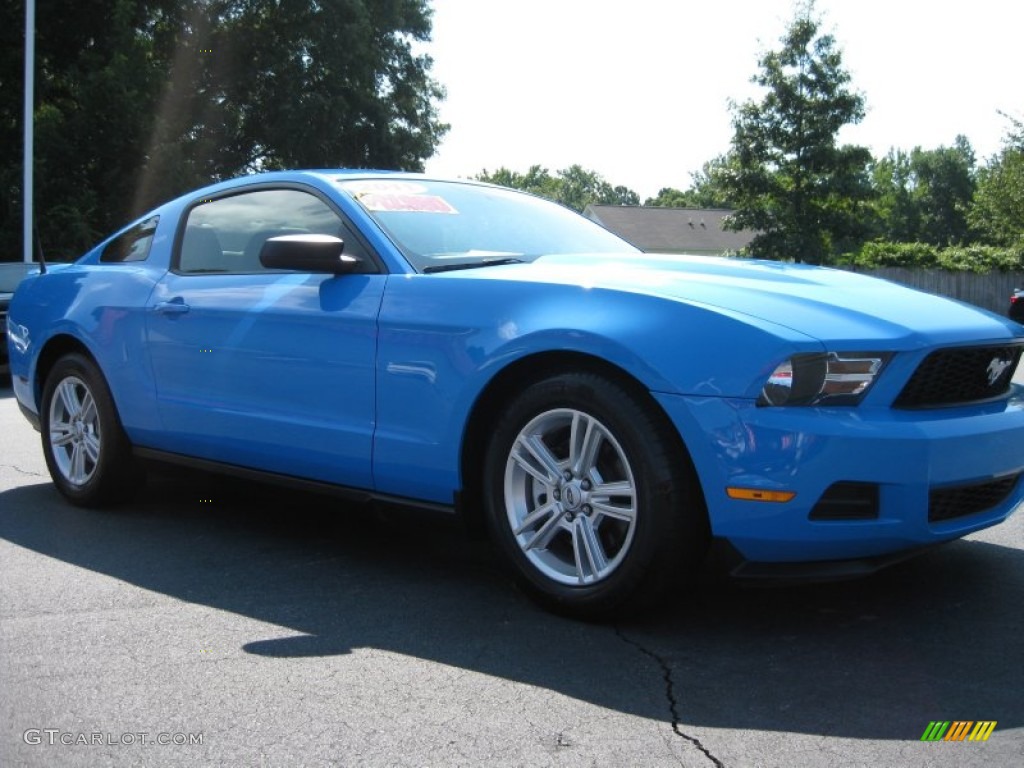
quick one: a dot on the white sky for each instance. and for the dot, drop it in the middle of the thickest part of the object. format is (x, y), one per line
(638, 90)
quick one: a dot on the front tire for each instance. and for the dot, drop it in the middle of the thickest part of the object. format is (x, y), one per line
(87, 452)
(589, 498)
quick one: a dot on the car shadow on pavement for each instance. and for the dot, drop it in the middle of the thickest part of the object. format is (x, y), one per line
(937, 637)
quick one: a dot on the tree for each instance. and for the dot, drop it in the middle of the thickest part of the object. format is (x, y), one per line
(792, 183)
(96, 74)
(924, 196)
(537, 180)
(707, 188)
(998, 209)
(574, 187)
(624, 196)
(265, 84)
(710, 188)
(897, 217)
(580, 187)
(1015, 135)
(669, 197)
(138, 101)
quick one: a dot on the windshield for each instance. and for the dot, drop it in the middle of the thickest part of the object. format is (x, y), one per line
(444, 225)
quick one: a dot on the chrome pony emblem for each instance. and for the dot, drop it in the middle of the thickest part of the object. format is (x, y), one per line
(996, 368)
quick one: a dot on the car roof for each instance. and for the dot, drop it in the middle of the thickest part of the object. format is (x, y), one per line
(324, 176)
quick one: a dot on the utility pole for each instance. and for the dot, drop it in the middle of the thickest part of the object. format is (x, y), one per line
(30, 94)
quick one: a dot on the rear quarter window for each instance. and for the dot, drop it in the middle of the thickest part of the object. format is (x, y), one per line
(132, 245)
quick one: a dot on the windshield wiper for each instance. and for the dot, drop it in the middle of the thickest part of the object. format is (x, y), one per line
(469, 265)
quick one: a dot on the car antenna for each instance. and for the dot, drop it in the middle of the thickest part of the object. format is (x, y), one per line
(39, 250)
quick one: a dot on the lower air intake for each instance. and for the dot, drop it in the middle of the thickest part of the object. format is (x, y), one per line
(963, 500)
(847, 501)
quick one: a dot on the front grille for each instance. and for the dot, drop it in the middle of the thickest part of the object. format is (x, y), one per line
(961, 375)
(963, 500)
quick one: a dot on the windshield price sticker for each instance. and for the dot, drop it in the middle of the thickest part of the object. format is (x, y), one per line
(406, 203)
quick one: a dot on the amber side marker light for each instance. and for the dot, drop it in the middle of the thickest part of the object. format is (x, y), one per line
(758, 494)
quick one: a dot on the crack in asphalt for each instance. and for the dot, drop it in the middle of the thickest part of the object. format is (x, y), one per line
(673, 708)
(22, 471)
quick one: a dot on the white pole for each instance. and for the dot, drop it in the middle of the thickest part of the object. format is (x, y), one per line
(30, 77)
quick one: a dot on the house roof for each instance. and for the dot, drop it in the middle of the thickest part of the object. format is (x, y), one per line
(668, 230)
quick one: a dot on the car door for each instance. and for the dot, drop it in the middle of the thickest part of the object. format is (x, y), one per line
(267, 369)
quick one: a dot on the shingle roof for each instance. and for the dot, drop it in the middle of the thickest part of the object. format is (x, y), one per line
(670, 230)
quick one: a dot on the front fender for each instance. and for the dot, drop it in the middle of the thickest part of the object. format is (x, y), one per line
(443, 340)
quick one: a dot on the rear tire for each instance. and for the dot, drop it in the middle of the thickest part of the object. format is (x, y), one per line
(87, 451)
(589, 498)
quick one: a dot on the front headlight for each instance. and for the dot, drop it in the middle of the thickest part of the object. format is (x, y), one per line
(834, 378)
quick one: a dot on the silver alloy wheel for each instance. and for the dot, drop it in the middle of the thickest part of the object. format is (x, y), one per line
(570, 497)
(74, 431)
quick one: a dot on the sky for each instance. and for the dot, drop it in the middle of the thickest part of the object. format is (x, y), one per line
(639, 91)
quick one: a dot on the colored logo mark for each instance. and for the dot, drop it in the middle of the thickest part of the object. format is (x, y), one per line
(959, 730)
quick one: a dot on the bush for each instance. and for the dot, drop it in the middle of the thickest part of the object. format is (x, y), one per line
(966, 258)
(981, 258)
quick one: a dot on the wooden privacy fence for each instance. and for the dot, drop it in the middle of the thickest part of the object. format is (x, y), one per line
(990, 290)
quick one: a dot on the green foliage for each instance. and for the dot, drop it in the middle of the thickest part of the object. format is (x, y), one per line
(1015, 135)
(622, 195)
(981, 258)
(943, 190)
(805, 195)
(536, 180)
(95, 76)
(708, 188)
(925, 195)
(889, 254)
(574, 187)
(138, 101)
(967, 258)
(896, 217)
(998, 211)
(670, 197)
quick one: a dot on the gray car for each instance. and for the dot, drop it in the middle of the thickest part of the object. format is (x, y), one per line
(10, 275)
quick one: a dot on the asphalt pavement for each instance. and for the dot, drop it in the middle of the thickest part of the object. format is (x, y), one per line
(215, 622)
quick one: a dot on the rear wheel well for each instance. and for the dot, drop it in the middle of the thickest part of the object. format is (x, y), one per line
(521, 374)
(54, 350)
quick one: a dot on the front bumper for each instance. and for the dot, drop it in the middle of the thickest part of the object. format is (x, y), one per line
(749, 573)
(905, 454)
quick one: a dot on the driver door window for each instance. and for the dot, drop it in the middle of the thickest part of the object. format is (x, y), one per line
(225, 235)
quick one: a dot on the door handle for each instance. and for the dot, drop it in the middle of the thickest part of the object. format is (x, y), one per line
(176, 306)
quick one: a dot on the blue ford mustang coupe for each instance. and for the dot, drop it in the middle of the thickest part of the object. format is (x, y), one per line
(603, 413)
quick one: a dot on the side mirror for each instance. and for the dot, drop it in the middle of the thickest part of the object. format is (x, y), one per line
(308, 253)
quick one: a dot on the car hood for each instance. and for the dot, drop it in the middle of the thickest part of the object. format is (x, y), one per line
(828, 304)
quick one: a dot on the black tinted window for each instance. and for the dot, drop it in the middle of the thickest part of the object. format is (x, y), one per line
(132, 245)
(227, 234)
